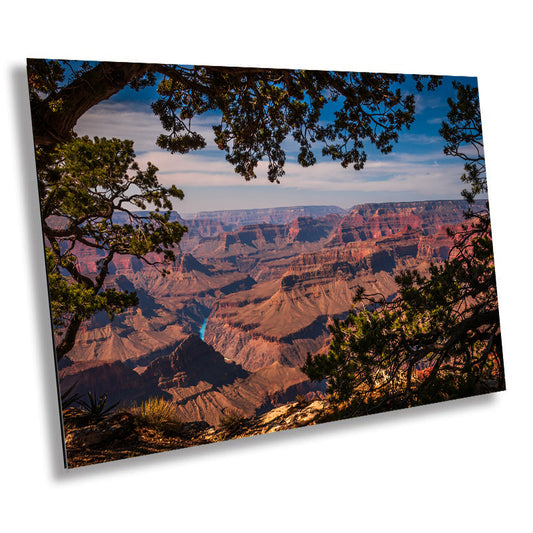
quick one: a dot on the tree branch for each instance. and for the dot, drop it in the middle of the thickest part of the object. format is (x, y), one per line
(52, 125)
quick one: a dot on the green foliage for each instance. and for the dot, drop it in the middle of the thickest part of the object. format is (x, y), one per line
(84, 183)
(260, 108)
(440, 337)
(96, 406)
(257, 109)
(68, 298)
(84, 186)
(464, 128)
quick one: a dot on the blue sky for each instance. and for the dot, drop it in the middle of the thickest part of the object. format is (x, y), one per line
(416, 169)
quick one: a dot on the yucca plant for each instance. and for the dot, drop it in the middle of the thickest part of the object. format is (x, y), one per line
(96, 407)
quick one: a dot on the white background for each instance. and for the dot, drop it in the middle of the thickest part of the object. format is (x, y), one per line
(462, 466)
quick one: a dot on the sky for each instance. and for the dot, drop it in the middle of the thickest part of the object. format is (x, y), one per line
(416, 169)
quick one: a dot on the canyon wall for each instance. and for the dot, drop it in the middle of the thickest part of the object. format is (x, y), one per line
(268, 282)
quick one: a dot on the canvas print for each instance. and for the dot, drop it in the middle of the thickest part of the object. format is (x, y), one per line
(234, 251)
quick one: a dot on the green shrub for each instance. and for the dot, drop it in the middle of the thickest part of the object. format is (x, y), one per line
(159, 414)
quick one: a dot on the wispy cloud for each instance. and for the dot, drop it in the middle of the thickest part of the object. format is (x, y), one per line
(428, 101)
(421, 138)
(121, 120)
(420, 173)
(425, 173)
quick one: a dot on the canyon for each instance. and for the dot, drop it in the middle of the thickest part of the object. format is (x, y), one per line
(261, 286)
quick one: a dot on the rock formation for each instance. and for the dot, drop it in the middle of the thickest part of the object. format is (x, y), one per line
(200, 382)
(268, 282)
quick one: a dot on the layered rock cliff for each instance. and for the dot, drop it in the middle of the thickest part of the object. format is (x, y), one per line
(283, 320)
(268, 291)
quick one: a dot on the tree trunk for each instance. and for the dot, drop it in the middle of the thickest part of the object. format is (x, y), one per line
(67, 343)
(52, 127)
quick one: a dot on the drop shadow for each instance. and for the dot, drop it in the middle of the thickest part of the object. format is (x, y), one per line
(38, 308)
(39, 315)
(331, 430)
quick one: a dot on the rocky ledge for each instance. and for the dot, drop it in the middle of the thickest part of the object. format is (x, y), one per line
(120, 435)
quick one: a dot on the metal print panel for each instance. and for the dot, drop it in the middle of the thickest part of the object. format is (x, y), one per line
(238, 251)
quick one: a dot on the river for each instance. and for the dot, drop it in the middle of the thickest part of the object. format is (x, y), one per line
(202, 329)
